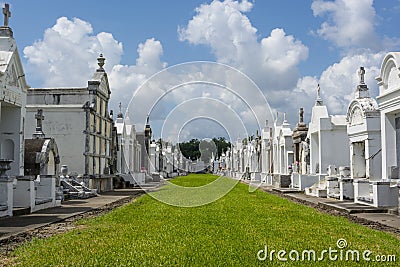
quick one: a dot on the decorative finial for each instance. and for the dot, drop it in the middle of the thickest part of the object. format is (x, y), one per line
(319, 101)
(120, 111)
(7, 14)
(39, 129)
(362, 90)
(277, 115)
(266, 123)
(361, 74)
(284, 116)
(148, 119)
(301, 115)
(100, 62)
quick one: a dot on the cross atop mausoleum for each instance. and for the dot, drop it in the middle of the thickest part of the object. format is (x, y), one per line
(7, 14)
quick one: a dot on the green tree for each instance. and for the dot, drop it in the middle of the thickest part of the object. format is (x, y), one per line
(190, 149)
(195, 149)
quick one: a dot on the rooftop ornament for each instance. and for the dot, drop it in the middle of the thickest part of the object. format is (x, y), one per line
(100, 62)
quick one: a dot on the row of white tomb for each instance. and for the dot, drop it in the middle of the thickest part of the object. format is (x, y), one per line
(58, 140)
(349, 157)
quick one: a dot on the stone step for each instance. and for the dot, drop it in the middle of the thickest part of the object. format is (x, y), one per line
(21, 211)
(39, 201)
(287, 190)
(351, 207)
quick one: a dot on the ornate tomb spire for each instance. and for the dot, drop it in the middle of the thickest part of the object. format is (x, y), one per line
(362, 90)
(319, 101)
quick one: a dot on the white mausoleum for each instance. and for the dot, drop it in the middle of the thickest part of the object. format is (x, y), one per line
(79, 121)
(389, 104)
(364, 131)
(13, 89)
(329, 143)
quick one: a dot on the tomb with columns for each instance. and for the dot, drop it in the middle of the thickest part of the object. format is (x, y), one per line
(284, 157)
(364, 131)
(12, 115)
(154, 161)
(79, 120)
(300, 178)
(128, 152)
(144, 140)
(329, 147)
(254, 155)
(237, 160)
(240, 161)
(275, 147)
(266, 154)
(385, 192)
(389, 105)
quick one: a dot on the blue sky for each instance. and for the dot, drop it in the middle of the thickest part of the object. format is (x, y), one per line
(313, 42)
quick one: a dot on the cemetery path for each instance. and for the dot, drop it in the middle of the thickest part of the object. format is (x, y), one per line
(45, 223)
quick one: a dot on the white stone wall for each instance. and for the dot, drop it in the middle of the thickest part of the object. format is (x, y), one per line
(66, 126)
(389, 104)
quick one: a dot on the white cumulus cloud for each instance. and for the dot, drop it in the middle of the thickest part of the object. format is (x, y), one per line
(125, 79)
(223, 26)
(350, 24)
(68, 50)
(66, 56)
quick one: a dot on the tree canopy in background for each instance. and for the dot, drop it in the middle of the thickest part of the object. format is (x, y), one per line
(203, 149)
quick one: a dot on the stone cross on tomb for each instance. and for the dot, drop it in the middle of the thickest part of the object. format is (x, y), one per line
(301, 115)
(361, 73)
(7, 14)
(39, 130)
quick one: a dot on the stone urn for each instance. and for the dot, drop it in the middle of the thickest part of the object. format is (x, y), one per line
(344, 171)
(64, 170)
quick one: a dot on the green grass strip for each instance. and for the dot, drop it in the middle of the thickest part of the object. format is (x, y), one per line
(227, 232)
